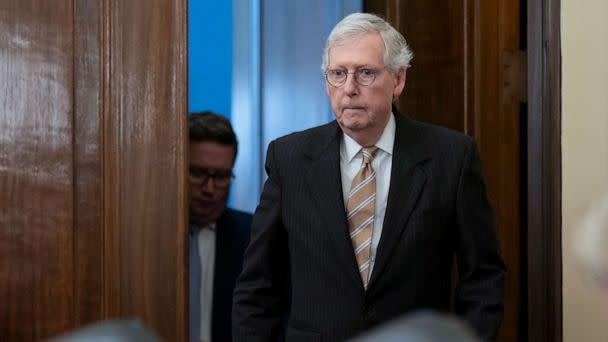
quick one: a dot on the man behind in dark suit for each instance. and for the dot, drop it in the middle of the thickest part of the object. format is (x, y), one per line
(218, 236)
(360, 219)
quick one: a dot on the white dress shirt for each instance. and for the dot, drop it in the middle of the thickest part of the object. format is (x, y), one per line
(351, 160)
(206, 251)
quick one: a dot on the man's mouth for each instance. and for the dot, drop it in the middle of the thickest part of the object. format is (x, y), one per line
(353, 108)
(204, 203)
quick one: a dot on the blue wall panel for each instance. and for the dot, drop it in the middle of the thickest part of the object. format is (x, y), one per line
(210, 56)
(278, 85)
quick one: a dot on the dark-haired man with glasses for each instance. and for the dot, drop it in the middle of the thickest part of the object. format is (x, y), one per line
(218, 235)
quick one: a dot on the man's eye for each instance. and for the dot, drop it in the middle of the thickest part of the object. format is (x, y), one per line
(367, 72)
(198, 173)
(337, 72)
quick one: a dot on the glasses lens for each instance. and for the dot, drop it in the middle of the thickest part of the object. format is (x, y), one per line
(221, 181)
(199, 176)
(365, 76)
(336, 77)
(197, 179)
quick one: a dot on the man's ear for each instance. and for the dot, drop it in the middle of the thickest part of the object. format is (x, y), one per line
(400, 84)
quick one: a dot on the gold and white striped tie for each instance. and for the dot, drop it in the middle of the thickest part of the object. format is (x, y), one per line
(360, 212)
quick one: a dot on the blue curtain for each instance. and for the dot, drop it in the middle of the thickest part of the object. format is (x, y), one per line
(210, 56)
(277, 84)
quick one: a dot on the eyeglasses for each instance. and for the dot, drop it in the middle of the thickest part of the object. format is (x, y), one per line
(363, 76)
(200, 176)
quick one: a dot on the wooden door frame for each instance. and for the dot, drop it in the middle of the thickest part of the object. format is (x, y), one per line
(541, 313)
(544, 219)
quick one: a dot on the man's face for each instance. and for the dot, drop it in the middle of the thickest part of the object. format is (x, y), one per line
(208, 194)
(363, 109)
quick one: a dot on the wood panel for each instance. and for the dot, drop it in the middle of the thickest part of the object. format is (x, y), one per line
(435, 83)
(92, 165)
(545, 173)
(458, 80)
(145, 136)
(36, 169)
(88, 230)
(494, 120)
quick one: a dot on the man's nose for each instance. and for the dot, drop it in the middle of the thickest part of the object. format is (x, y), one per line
(209, 185)
(350, 85)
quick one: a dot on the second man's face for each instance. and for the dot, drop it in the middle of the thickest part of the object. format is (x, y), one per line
(209, 172)
(360, 108)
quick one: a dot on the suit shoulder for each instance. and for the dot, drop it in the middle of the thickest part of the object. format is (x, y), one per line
(440, 133)
(292, 150)
(438, 140)
(237, 222)
(239, 217)
(443, 144)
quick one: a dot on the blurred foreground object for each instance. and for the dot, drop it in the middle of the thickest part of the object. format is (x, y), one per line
(421, 327)
(110, 331)
(591, 248)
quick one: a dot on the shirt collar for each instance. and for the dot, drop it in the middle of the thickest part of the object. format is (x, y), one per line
(195, 228)
(385, 143)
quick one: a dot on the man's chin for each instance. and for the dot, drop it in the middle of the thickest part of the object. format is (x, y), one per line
(205, 215)
(353, 125)
(202, 218)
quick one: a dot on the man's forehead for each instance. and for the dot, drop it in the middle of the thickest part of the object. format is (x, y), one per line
(356, 38)
(209, 170)
(211, 155)
(367, 48)
(211, 147)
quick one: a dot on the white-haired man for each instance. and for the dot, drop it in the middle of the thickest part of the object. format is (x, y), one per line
(360, 219)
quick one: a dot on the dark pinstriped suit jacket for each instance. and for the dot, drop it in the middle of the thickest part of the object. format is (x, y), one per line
(300, 264)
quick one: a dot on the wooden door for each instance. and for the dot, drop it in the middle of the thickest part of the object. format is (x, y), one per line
(467, 74)
(93, 114)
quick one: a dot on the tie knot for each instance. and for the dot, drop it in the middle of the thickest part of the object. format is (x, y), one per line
(368, 154)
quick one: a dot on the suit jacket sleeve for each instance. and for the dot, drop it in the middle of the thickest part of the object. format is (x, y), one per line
(479, 296)
(260, 297)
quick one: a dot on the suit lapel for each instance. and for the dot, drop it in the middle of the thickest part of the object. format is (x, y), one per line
(407, 182)
(325, 181)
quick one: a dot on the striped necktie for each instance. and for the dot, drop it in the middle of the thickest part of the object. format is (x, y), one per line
(360, 212)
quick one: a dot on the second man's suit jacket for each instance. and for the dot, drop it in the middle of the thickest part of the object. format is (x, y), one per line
(233, 230)
(300, 265)
(232, 237)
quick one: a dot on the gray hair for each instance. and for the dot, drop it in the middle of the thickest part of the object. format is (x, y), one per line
(397, 54)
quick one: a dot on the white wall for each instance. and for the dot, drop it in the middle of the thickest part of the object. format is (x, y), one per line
(584, 32)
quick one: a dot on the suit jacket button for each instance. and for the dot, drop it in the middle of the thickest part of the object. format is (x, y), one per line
(369, 312)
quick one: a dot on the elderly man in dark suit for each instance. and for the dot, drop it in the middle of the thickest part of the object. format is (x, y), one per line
(218, 236)
(360, 219)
